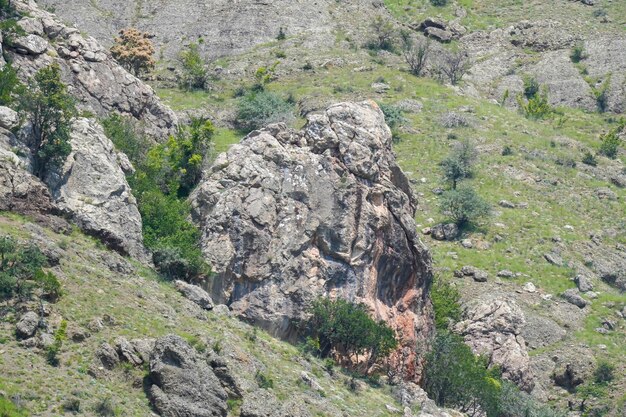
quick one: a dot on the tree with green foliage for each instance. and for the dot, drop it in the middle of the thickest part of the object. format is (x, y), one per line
(537, 106)
(194, 73)
(124, 135)
(51, 111)
(383, 32)
(453, 65)
(10, 85)
(346, 329)
(464, 206)
(439, 3)
(458, 165)
(531, 86)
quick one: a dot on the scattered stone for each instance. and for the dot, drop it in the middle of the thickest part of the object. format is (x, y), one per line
(571, 296)
(507, 204)
(505, 273)
(126, 351)
(445, 231)
(467, 243)
(530, 287)
(605, 193)
(311, 382)
(380, 87)
(183, 384)
(79, 335)
(554, 259)
(195, 294)
(619, 180)
(602, 330)
(609, 324)
(107, 356)
(30, 45)
(95, 325)
(27, 326)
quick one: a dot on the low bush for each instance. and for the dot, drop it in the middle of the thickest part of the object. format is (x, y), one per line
(464, 206)
(536, 107)
(446, 303)
(194, 74)
(578, 53)
(52, 351)
(589, 159)
(604, 373)
(124, 135)
(439, 3)
(383, 34)
(258, 109)
(9, 85)
(459, 164)
(610, 141)
(264, 381)
(531, 86)
(454, 65)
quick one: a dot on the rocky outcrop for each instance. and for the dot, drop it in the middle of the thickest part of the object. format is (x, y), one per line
(91, 189)
(288, 216)
(493, 328)
(183, 384)
(94, 78)
(194, 294)
(26, 327)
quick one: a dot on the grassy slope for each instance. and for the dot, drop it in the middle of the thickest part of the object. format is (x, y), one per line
(141, 306)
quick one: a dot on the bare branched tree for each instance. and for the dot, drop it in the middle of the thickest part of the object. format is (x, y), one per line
(415, 53)
(454, 65)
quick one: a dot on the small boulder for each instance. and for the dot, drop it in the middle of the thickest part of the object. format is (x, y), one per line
(107, 356)
(445, 231)
(530, 287)
(27, 326)
(195, 294)
(507, 204)
(584, 283)
(554, 259)
(572, 297)
(127, 352)
(480, 276)
(8, 118)
(505, 273)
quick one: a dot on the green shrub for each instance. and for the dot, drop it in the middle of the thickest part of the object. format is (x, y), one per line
(604, 372)
(52, 352)
(536, 107)
(8, 409)
(348, 329)
(9, 85)
(393, 115)
(9, 28)
(20, 270)
(122, 132)
(463, 206)
(611, 141)
(446, 303)
(105, 408)
(194, 74)
(589, 159)
(439, 3)
(601, 95)
(458, 165)
(383, 33)
(578, 53)
(281, 34)
(49, 284)
(51, 111)
(264, 381)
(258, 109)
(531, 86)
(507, 150)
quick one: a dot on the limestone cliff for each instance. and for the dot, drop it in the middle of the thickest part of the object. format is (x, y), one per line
(289, 216)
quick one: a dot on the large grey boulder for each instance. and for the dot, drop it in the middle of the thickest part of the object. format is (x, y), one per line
(183, 384)
(287, 217)
(92, 190)
(26, 327)
(493, 328)
(8, 118)
(573, 297)
(94, 78)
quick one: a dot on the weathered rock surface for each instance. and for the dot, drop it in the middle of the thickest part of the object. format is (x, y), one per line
(92, 190)
(289, 216)
(27, 326)
(262, 403)
(195, 294)
(108, 356)
(99, 83)
(411, 396)
(8, 118)
(573, 297)
(183, 384)
(608, 263)
(493, 328)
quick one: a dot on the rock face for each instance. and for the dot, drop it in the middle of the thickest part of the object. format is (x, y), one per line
(98, 82)
(288, 216)
(195, 294)
(27, 326)
(493, 328)
(183, 384)
(92, 190)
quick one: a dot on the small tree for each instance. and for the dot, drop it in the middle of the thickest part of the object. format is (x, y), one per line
(134, 50)
(9, 85)
(446, 303)
(463, 206)
(194, 72)
(459, 163)
(611, 141)
(531, 86)
(537, 106)
(383, 33)
(578, 53)
(415, 53)
(51, 110)
(454, 65)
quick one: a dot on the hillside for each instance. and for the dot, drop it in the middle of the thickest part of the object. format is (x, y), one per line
(317, 206)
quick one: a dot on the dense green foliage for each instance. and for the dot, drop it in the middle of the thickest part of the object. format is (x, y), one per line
(578, 53)
(51, 110)
(463, 206)
(346, 329)
(21, 271)
(459, 163)
(9, 85)
(535, 107)
(52, 351)
(531, 86)
(439, 3)
(604, 372)
(194, 73)
(260, 108)
(611, 141)
(164, 177)
(445, 298)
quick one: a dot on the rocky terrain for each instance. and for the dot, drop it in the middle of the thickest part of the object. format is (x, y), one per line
(343, 201)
